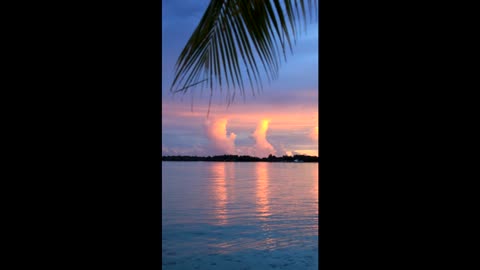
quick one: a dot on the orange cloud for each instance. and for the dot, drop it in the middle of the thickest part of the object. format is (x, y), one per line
(221, 142)
(289, 128)
(262, 146)
(308, 152)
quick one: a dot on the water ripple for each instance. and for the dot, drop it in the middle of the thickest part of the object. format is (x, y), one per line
(231, 208)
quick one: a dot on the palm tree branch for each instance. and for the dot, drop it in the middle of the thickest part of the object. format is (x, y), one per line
(233, 37)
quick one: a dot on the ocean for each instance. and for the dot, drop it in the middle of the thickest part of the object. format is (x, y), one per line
(239, 215)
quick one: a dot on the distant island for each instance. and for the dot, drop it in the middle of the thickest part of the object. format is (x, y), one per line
(236, 158)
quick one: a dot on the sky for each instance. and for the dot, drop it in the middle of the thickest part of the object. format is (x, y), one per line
(280, 120)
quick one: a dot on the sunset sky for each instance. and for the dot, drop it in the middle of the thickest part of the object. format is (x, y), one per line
(282, 119)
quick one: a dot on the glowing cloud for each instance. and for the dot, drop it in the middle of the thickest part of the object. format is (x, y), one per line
(221, 142)
(307, 152)
(262, 147)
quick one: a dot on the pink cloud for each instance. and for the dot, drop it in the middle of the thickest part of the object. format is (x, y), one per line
(221, 142)
(291, 127)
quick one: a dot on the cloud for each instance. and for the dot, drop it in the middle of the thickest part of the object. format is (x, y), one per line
(288, 128)
(281, 150)
(165, 150)
(220, 142)
(195, 150)
(308, 152)
(314, 134)
(262, 147)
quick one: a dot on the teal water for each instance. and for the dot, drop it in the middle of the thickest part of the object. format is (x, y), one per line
(249, 215)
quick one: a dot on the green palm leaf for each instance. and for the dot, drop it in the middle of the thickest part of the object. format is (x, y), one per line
(238, 37)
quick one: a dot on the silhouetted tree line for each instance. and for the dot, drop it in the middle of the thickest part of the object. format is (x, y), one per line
(236, 158)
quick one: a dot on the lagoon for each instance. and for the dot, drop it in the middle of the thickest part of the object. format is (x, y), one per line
(248, 215)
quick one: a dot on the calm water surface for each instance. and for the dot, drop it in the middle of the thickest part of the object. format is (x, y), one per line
(249, 215)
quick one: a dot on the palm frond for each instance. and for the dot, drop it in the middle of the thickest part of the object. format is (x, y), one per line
(238, 37)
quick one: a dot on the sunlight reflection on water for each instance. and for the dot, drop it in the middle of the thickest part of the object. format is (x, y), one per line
(236, 208)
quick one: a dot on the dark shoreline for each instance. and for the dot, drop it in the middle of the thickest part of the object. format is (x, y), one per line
(236, 158)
